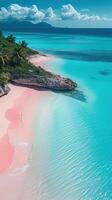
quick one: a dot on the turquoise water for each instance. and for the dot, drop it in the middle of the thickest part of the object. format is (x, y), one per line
(71, 157)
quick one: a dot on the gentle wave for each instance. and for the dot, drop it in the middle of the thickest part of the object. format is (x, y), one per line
(86, 55)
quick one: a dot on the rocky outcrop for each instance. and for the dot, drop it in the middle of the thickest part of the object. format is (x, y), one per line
(52, 82)
(4, 90)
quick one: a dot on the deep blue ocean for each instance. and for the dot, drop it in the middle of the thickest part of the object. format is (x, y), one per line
(71, 157)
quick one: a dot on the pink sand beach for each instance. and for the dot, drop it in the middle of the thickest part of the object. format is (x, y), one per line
(17, 114)
(41, 60)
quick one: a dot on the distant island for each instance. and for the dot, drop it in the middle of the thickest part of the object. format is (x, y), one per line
(43, 27)
(16, 68)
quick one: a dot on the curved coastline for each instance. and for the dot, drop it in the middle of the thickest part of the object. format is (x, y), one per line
(18, 111)
(17, 116)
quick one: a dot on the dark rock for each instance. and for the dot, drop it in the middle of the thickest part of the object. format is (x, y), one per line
(4, 90)
(53, 82)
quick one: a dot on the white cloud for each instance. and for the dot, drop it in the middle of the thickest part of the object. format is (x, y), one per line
(25, 13)
(18, 12)
(67, 12)
(50, 15)
(4, 14)
(15, 11)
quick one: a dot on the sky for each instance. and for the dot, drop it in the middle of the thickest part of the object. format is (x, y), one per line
(62, 13)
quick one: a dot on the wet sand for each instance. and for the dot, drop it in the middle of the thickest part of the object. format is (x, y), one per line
(17, 115)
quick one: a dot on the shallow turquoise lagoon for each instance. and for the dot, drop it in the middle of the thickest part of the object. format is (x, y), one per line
(71, 156)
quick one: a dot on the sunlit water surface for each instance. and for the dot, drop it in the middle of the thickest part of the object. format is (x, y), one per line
(71, 157)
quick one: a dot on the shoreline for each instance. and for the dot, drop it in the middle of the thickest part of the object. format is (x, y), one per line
(42, 78)
(14, 113)
(16, 134)
(42, 60)
(18, 112)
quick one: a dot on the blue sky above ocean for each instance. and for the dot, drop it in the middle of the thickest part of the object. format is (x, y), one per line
(64, 13)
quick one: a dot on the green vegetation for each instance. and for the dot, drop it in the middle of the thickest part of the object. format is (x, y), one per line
(4, 79)
(14, 60)
(16, 68)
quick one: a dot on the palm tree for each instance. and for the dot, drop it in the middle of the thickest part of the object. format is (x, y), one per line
(4, 79)
(18, 55)
(11, 38)
(4, 59)
(22, 52)
(24, 44)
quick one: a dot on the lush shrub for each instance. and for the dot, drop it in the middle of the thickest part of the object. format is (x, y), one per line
(4, 79)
